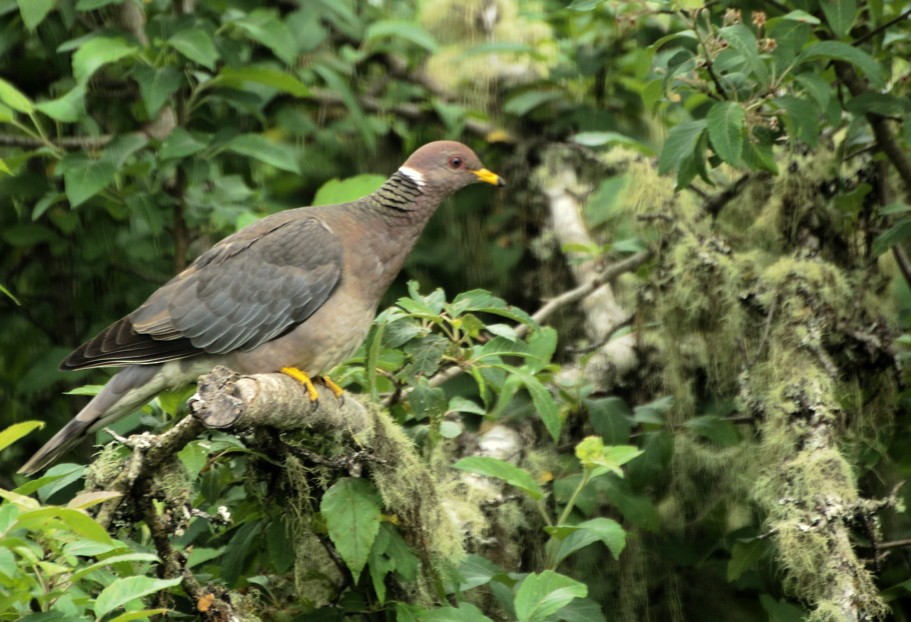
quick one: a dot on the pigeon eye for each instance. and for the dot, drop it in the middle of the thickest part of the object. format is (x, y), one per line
(455, 162)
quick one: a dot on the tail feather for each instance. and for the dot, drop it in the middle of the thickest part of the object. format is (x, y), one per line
(63, 441)
(129, 389)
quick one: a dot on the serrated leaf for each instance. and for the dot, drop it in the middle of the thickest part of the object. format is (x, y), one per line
(801, 118)
(258, 146)
(401, 29)
(97, 52)
(352, 515)
(725, 124)
(541, 595)
(12, 97)
(197, 45)
(838, 50)
(542, 400)
(500, 469)
(68, 108)
(425, 355)
(840, 14)
(680, 144)
(16, 431)
(337, 191)
(34, 11)
(742, 39)
(274, 78)
(128, 589)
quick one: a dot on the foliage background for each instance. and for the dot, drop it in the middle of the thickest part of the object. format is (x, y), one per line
(763, 384)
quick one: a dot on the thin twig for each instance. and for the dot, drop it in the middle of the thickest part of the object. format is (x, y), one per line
(882, 27)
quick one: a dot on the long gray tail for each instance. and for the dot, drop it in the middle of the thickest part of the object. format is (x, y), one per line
(129, 389)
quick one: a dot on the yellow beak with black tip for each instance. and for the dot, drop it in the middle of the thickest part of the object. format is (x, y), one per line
(489, 177)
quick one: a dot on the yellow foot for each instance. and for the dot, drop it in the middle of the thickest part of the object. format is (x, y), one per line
(304, 379)
(339, 392)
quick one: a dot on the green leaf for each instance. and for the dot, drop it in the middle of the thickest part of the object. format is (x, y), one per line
(899, 232)
(144, 614)
(352, 515)
(680, 144)
(424, 355)
(401, 29)
(802, 17)
(76, 521)
(337, 191)
(541, 595)
(725, 123)
(180, 144)
(463, 405)
(816, 87)
(9, 294)
(84, 177)
(522, 104)
(482, 301)
(258, 146)
(245, 540)
(744, 556)
(427, 402)
(840, 15)
(839, 51)
(264, 27)
(34, 11)
(581, 610)
(11, 96)
(600, 139)
(196, 44)
(115, 559)
(742, 40)
(715, 429)
(500, 469)
(274, 78)
(156, 86)
(801, 118)
(97, 52)
(877, 103)
(475, 571)
(91, 5)
(465, 612)
(542, 400)
(16, 431)
(127, 589)
(654, 411)
(574, 537)
(339, 85)
(68, 108)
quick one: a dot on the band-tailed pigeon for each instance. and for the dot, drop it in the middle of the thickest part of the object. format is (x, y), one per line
(294, 292)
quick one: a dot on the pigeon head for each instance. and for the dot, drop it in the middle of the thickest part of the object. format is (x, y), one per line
(445, 166)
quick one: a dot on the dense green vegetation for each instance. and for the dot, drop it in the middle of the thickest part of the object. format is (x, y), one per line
(660, 376)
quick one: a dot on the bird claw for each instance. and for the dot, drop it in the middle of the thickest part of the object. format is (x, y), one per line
(337, 390)
(304, 379)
